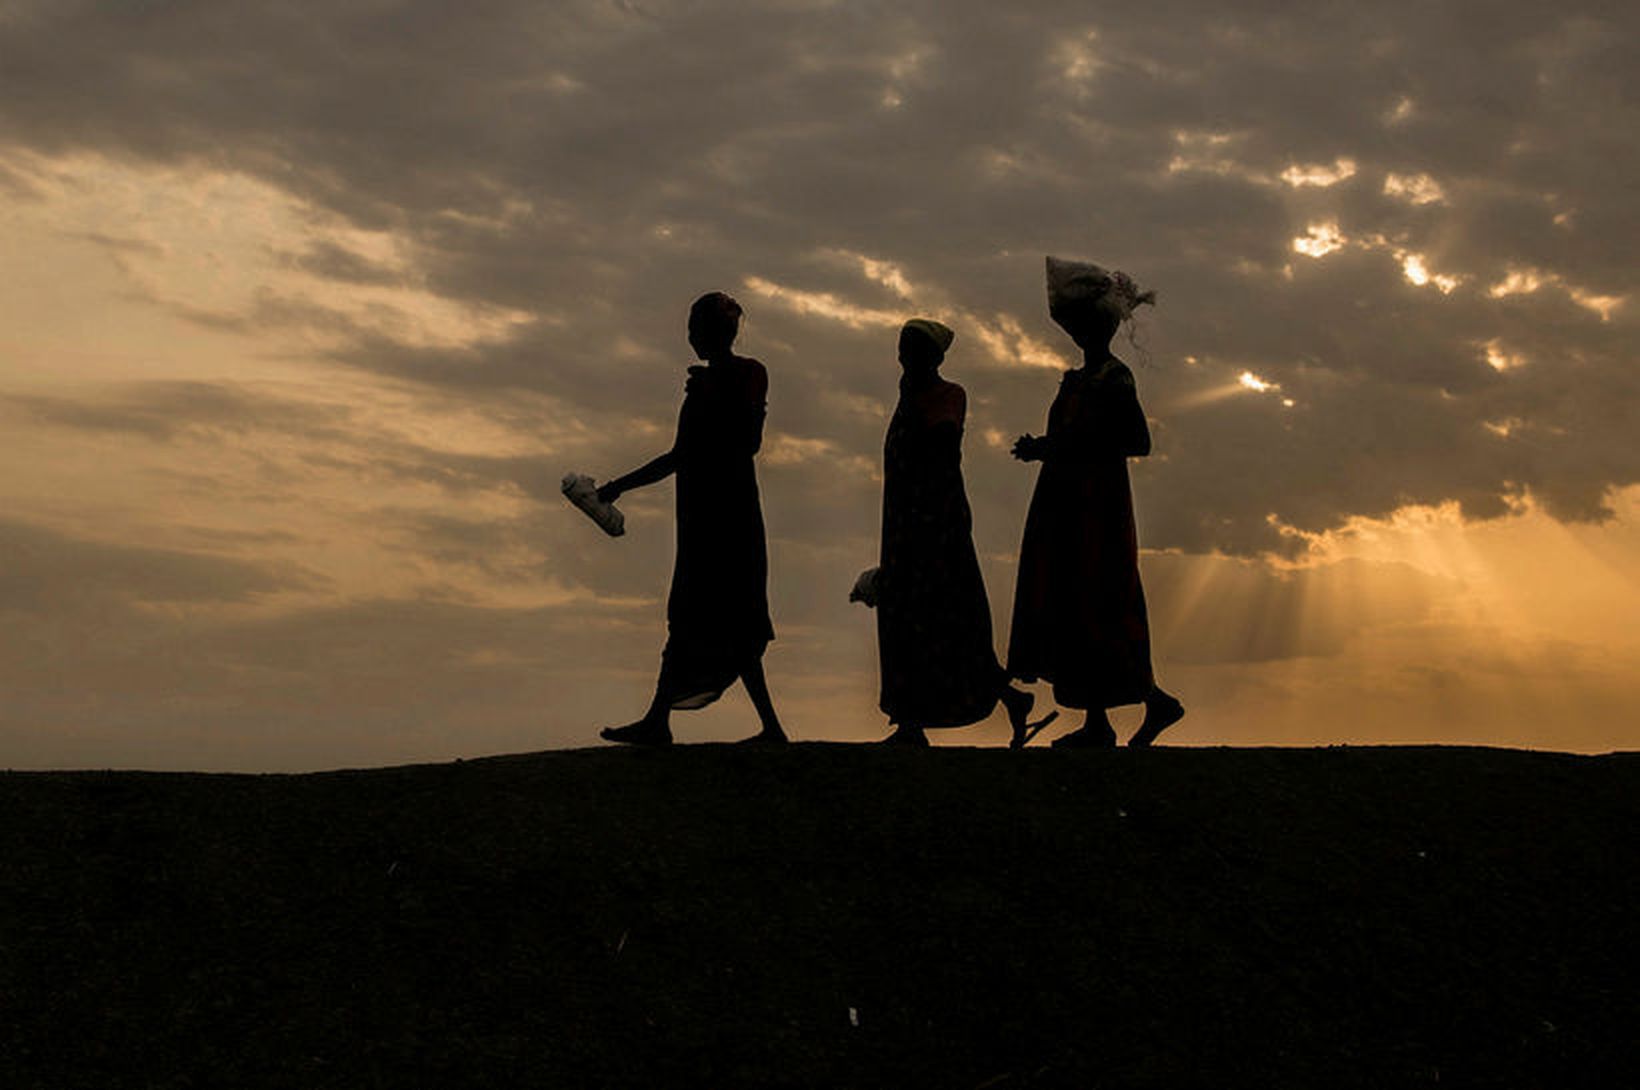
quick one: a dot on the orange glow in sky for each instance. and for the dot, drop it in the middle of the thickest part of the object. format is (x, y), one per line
(291, 361)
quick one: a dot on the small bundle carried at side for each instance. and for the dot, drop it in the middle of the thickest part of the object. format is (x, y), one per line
(580, 490)
(866, 588)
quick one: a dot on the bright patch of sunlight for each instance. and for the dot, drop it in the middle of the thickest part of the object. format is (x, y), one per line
(1413, 188)
(231, 252)
(1417, 272)
(1206, 152)
(1517, 282)
(1320, 239)
(886, 273)
(823, 304)
(1077, 62)
(1501, 360)
(1602, 305)
(1319, 174)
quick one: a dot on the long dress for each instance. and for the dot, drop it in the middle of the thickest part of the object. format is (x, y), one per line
(1079, 609)
(717, 614)
(939, 667)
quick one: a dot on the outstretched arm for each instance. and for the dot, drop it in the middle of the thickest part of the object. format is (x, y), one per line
(657, 469)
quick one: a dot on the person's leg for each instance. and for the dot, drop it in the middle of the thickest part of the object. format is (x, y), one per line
(1094, 733)
(1162, 710)
(654, 729)
(757, 687)
(1018, 703)
(907, 736)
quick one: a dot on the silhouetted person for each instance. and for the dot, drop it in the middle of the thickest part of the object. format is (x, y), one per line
(1079, 609)
(939, 667)
(717, 615)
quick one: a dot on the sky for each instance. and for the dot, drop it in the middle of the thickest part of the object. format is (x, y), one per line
(305, 309)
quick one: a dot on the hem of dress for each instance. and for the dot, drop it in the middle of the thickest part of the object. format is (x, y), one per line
(1079, 702)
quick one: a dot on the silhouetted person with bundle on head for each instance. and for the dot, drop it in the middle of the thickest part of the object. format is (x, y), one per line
(939, 667)
(717, 615)
(1079, 609)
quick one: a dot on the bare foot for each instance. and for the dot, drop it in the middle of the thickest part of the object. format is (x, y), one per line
(1019, 704)
(1162, 710)
(906, 736)
(645, 732)
(765, 737)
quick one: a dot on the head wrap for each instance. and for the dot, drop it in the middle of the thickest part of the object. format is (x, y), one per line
(1073, 284)
(937, 332)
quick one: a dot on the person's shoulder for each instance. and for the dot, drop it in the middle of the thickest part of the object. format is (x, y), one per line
(754, 374)
(949, 401)
(1117, 373)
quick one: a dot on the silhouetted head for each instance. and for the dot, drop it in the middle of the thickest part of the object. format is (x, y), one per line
(714, 321)
(1091, 323)
(923, 342)
(1090, 303)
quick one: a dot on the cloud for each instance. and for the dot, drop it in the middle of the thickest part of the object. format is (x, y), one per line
(43, 572)
(161, 410)
(458, 244)
(1185, 143)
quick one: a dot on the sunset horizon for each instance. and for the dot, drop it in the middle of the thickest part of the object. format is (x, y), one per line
(306, 313)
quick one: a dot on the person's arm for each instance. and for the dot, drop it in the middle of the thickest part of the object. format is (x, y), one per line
(1113, 424)
(657, 469)
(757, 396)
(1037, 448)
(1123, 424)
(946, 417)
(1136, 442)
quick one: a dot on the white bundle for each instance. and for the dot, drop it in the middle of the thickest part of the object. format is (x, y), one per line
(1073, 284)
(580, 490)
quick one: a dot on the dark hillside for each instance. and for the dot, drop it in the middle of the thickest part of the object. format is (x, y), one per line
(829, 916)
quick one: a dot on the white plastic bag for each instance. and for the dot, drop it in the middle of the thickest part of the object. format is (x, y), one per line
(580, 490)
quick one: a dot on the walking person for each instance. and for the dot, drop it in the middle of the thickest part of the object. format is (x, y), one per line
(939, 667)
(717, 614)
(1079, 617)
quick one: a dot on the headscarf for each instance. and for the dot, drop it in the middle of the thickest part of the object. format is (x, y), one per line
(937, 332)
(1073, 284)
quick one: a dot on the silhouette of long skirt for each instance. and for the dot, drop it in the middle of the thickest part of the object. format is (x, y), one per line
(939, 667)
(717, 614)
(1079, 609)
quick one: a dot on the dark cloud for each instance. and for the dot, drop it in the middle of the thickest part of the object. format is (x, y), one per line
(162, 410)
(328, 260)
(532, 169)
(594, 165)
(45, 572)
